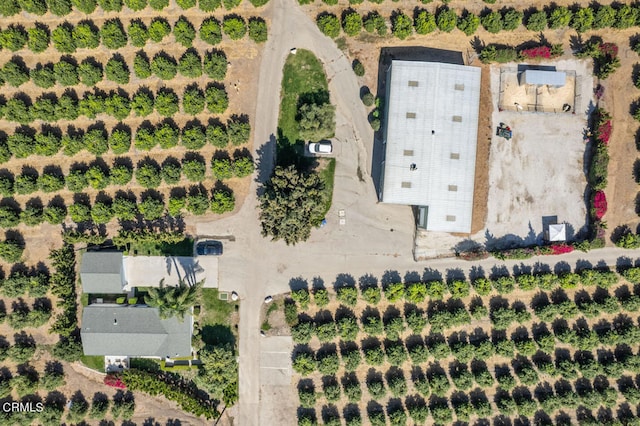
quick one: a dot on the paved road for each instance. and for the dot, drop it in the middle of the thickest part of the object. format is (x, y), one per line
(253, 266)
(377, 238)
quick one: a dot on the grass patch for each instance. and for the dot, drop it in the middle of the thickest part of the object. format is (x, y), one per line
(181, 248)
(84, 299)
(265, 325)
(215, 318)
(327, 174)
(303, 76)
(146, 364)
(94, 362)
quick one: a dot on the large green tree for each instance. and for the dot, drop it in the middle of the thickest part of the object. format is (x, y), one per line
(316, 121)
(290, 203)
(173, 300)
(219, 375)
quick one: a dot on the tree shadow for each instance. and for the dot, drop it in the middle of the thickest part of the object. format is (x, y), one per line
(217, 335)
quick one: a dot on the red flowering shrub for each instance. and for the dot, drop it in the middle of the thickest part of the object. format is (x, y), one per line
(609, 49)
(561, 249)
(603, 133)
(600, 204)
(114, 381)
(537, 52)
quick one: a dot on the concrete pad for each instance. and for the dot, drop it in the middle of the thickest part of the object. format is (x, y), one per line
(540, 172)
(275, 361)
(278, 405)
(278, 399)
(149, 271)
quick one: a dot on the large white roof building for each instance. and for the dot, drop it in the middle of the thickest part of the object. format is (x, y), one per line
(431, 137)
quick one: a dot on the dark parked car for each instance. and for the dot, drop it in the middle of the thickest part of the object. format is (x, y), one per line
(209, 248)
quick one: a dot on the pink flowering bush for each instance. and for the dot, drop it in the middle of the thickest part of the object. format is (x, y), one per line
(114, 381)
(537, 52)
(609, 49)
(603, 133)
(599, 204)
(561, 249)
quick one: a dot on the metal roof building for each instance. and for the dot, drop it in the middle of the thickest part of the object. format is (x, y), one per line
(543, 77)
(431, 137)
(102, 272)
(134, 331)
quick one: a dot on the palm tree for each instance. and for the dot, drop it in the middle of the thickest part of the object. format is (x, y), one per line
(173, 301)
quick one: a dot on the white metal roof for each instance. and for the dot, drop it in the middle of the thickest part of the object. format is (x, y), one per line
(558, 232)
(542, 77)
(432, 123)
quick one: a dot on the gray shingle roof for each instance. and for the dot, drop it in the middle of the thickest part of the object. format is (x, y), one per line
(133, 331)
(102, 272)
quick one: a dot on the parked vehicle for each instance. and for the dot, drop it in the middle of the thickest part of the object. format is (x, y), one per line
(322, 147)
(209, 248)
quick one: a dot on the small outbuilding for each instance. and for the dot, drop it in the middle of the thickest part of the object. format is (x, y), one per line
(543, 78)
(557, 232)
(102, 272)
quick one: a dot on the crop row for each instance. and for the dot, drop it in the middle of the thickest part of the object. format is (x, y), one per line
(435, 288)
(67, 72)
(507, 19)
(123, 207)
(120, 172)
(392, 325)
(117, 104)
(436, 346)
(26, 142)
(23, 316)
(65, 7)
(67, 38)
(561, 395)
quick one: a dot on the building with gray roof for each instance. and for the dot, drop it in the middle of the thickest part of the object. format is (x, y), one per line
(134, 331)
(431, 130)
(102, 272)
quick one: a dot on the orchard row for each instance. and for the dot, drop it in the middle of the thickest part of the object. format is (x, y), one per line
(193, 136)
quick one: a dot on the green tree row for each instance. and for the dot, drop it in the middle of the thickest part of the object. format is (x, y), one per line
(167, 386)
(122, 207)
(26, 142)
(99, 176)
(63, 285)
(28, 380)
(22, 350)
(22, 316)
(444, 19)
(49, 108)
(68, 73)
(18, 284)
(67, 38)
(436, 289)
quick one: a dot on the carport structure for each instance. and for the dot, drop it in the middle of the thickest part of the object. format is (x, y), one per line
(149, 271)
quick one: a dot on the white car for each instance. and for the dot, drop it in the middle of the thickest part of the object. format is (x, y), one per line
(322, 147)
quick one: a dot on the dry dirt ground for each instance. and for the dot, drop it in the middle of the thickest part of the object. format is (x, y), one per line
(539, 172)
(618, 96)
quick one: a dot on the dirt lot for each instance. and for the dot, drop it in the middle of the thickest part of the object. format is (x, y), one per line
(539, 172)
